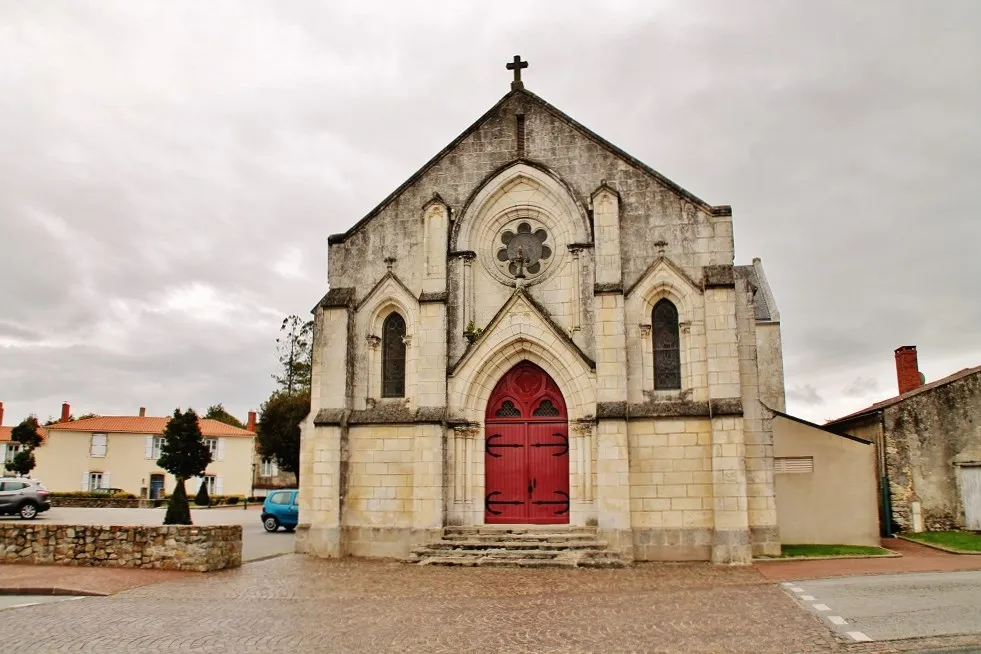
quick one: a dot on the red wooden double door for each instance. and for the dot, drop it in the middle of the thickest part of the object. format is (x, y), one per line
(526, 450)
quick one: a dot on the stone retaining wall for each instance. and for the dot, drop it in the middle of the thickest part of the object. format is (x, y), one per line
(191, 548)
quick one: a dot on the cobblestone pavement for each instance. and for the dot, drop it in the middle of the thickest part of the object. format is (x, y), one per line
(296, 604)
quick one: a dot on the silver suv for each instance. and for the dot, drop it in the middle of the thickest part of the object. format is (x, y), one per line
(22, 496)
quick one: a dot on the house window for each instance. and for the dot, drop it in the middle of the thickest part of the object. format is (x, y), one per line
(12, 450)
(95, 480)
(667, 346)
(793, 464)
(393, 356)
(98, 447)
(212, 482)
(158, 443)
(268, 468)
(212, 445)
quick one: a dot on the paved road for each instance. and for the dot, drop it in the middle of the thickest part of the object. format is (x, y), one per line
(893, 607)
(256, 542)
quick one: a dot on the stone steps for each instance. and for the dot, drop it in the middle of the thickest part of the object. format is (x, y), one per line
(524, 546)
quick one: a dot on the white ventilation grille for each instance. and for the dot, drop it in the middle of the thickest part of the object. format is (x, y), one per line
(793, 464)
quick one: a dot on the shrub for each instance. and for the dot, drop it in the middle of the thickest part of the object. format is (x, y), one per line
(202, 499)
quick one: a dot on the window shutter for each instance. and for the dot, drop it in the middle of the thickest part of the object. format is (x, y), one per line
(85, 481)
(218, 490)
(105, 480)
(221, 449)
(275, 468)
(148, 447)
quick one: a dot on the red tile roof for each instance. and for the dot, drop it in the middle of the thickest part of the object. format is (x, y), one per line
(878, 406)
(5, 433)
(145, 425)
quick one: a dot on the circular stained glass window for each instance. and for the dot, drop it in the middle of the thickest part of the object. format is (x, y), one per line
(524, 249)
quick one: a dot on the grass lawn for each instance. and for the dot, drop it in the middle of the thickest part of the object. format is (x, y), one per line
(831, 550)
(965, 541)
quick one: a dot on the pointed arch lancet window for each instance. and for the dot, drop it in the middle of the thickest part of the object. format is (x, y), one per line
(393, 356)
(667, 346)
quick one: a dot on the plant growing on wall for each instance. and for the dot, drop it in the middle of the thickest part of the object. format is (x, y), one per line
(472, 332)
(183, 455)
(28, 435)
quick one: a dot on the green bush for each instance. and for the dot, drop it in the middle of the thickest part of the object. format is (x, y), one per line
(202, 499)
(90, 494)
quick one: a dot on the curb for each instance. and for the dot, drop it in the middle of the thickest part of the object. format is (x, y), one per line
(48, 590)
(938, 547)
(892, 555)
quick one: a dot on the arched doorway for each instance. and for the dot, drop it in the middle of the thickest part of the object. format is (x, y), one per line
(526, 450)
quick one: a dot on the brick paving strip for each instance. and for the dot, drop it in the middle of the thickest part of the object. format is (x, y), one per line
(915, 558)
(69, 580)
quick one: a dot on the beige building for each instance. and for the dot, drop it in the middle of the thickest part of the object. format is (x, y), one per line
(122, 452)
(538, 328)
(825, 484)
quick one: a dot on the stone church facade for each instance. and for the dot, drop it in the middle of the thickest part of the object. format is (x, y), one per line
(537, 328)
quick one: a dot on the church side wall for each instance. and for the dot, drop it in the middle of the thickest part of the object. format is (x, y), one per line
(394, 494)
(671, 492)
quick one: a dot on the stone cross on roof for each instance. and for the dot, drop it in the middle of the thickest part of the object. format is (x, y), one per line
(516, 66)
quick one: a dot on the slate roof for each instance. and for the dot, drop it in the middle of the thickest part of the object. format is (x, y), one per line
(760, 307)
(145, 425)
(879, 406)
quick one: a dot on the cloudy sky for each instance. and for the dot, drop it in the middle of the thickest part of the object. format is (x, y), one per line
(170, 171)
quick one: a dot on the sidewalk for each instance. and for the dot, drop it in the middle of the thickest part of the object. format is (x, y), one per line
(71, 580)
(915, 558)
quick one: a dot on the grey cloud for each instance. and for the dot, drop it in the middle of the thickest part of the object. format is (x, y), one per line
(861, 387)
(805, 394)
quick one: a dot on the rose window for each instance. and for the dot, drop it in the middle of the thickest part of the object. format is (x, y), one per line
(526, 251)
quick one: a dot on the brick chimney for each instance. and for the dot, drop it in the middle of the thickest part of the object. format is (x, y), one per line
(250, 425)
(66, 412)
(143, 412)
(907, 369)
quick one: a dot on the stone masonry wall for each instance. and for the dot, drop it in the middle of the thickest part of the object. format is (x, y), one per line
(189, 548)
(926, 435)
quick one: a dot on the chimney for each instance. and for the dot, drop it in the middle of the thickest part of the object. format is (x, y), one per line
(1, 414)
(66, 412)
(907, 369)
(143, 412)
(250, 425)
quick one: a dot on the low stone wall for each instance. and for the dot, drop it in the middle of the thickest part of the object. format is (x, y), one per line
(191, 548)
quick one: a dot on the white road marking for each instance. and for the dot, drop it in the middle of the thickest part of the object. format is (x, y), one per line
(20, 606)
(837, 619)
(787, 583)
(796, 589)
(821, 607)
(807, 598)
(859, 636)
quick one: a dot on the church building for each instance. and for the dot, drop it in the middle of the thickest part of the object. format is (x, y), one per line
(536, 328)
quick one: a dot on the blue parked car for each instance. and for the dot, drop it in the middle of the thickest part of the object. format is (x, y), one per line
(280, 510)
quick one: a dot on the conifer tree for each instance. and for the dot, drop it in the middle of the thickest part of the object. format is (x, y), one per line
(183, 455)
